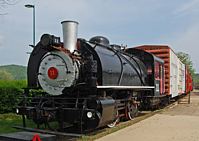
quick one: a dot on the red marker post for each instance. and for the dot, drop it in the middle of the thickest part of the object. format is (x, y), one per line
(36, 138)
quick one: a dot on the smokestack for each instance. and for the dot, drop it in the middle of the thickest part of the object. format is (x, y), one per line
(70, 34)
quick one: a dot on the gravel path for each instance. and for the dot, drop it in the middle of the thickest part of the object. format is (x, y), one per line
(177, 123)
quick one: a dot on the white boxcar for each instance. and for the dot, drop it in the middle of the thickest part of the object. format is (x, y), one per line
(174, 74)
(181, 77)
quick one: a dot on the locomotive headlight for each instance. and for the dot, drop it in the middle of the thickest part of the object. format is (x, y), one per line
(89, 114)
(17, 110)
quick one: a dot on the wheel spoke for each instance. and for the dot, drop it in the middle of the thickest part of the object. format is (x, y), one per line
(132, 110)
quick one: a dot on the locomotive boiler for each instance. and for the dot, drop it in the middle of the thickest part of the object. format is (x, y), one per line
(86, 84)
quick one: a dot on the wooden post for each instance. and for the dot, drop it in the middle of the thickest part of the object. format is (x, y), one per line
(26, 93)
(189, 97)
(24, 120)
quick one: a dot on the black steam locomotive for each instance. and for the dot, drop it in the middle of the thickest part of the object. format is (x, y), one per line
(87, 84)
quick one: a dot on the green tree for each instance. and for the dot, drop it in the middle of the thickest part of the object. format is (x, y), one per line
(4, 75)
(186, 59)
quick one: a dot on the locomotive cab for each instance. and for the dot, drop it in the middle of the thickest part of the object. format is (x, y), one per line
(155, 77)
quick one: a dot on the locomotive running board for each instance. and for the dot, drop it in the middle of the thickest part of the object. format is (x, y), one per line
(127, 87)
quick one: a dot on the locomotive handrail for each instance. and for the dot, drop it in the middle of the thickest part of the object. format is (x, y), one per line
(125, 87)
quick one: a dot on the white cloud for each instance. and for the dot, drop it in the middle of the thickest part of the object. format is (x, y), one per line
(189, 7)
(188, 42)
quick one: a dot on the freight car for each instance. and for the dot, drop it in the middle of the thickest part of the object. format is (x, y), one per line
(89, 84)
(189, 81)
(175, 71)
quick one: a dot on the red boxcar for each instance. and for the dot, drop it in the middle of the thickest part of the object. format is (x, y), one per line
(189, 81)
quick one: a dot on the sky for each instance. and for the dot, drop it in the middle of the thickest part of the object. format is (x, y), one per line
(127, 22)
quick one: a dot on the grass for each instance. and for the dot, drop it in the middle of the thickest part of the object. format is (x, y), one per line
(7, 121)
(13, 84)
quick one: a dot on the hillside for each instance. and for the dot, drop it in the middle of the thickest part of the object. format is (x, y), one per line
(196, 80)
(197, 75)
(15, 72)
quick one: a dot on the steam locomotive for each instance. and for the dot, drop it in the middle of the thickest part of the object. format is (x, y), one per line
(89, 84)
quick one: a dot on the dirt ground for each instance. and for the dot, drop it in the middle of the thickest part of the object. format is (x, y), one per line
(179, 122)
